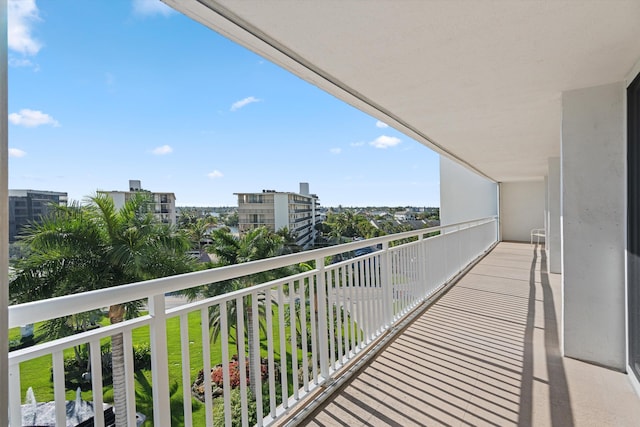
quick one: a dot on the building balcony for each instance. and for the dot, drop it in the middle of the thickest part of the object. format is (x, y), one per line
(367, 296)
(421, 336)
(486, 353)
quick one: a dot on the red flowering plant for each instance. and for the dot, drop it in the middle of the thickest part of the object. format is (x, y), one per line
(217, 377)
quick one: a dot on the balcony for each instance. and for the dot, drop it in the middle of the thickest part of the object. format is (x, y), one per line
(363, 299)
(486, 353)
(412, 346)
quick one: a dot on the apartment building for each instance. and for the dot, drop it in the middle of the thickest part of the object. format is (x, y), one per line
(276, 210)
(27, 206)
(163, 205)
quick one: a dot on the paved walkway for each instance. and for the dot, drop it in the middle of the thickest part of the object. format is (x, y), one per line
(487, 353)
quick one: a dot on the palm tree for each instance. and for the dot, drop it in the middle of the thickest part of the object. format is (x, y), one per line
(253, 245)
(93, 246)
(289, 241)
(198, 231)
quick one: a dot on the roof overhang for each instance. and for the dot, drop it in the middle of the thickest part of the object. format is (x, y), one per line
(479, 82)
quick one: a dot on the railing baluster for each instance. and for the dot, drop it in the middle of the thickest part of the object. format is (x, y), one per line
(224, 351)
(378, 295)
(186, 369)
(387, 286)
(96, 382)
(283, 347)
(303, 337)
(206, 363)
(313, 311)
(294, 338)
(59, 388)
(257, 371)
(129, 377)
(159, 361)
(352, 307)
(15, 395)
(373, 329)
(339, 313)
(359, 307)
(330, 304)
(270, 354)
(242, 361)
(322, 319)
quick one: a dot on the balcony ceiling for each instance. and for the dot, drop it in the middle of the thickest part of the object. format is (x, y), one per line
(478, 81)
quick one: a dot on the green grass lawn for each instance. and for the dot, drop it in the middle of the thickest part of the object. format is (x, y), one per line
(36, 373)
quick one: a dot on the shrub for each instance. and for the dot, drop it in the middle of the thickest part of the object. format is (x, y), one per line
(77, 368)
(236, 409)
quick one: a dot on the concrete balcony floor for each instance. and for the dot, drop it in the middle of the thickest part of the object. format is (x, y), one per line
(487, 353)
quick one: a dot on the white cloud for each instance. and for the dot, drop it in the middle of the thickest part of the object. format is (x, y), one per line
(215, 174)
(32, 118)
(22, 14)
(382, 125)
(244, 102)
(162, 150)
(384, 141)
(151, 7)
(22, 62)
(357, 144)
(335, 150)
(16, 152)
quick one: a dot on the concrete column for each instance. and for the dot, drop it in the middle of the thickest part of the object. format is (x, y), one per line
(554, 238)
(594, 224)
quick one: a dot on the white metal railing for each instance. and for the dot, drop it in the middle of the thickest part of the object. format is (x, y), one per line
(314, 322)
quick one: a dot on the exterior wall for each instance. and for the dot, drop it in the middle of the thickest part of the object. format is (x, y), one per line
(118, 199)
(554, 234)
(276, 210)
(163, 204)
(521, 209)
(465, 195)
(281, 210)
(27, 206)
(594, 224)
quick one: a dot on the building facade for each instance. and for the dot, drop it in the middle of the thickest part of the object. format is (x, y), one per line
(298, 212)
(27, 206)
(163, 205)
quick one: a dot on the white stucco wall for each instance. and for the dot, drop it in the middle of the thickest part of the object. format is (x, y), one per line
(118, 199)
(554, 236)
(281, 210)
(594, 224)
(521, 209)
(465, 195)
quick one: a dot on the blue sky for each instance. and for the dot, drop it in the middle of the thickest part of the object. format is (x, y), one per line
(101, 92)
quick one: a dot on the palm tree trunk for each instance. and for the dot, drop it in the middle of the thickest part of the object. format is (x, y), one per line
(116, 314)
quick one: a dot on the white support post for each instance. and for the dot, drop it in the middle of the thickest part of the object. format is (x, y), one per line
(159, 361)
(321, 295)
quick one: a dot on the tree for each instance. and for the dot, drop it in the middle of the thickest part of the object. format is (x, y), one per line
(289, 241)
(350, 224)
(253, 245)
(198, 231)
(93, 246)
(231, 220)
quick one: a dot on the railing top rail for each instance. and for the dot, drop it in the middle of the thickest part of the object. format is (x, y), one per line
(31, 312)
